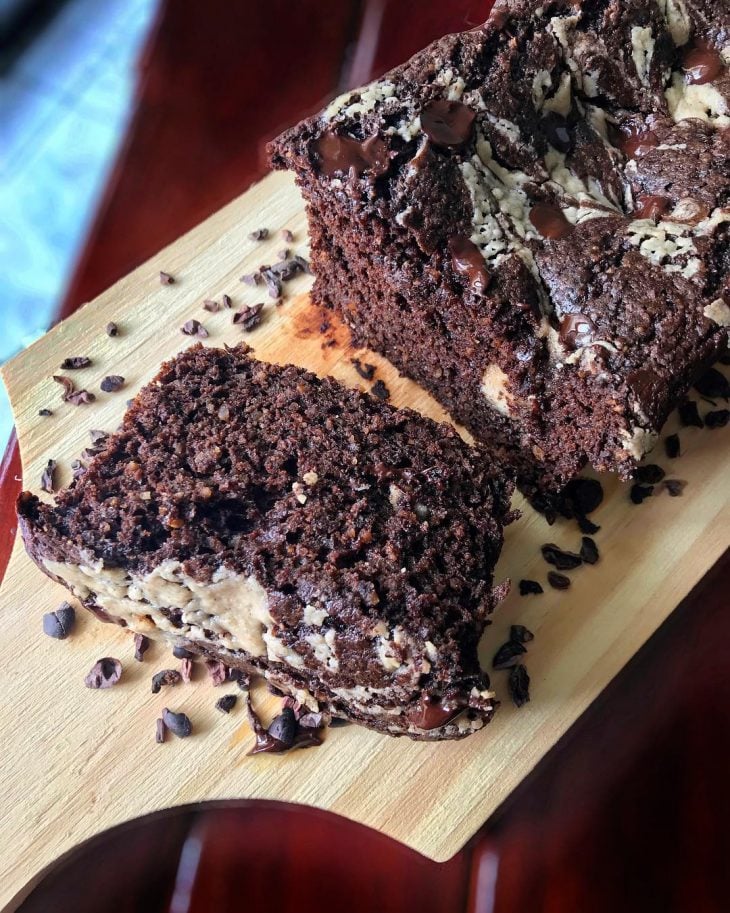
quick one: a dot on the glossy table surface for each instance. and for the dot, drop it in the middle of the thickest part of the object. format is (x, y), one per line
(631, 810)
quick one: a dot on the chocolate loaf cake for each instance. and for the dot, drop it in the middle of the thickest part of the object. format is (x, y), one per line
(531, 220)
(292, 528)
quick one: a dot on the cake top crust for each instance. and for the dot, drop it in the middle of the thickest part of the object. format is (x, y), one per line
(566, 168)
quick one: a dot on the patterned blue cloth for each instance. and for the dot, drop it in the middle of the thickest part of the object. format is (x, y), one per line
(63, 110)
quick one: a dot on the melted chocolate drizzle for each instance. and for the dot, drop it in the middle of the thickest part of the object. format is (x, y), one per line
(651, 206)
(576, 330)
(447, 123)
(343, 154)
(468, 260)
(431, 713)
(702, 64)
(550, 221)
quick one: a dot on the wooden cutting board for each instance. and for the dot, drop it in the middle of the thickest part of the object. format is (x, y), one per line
(75, 762)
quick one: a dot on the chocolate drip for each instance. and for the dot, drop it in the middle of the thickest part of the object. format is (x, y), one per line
(650, 206)
(550, 221)
(431, 712)
(344, 154)
(447, 123)
(702, 64)
(576, 330)
(468, 260)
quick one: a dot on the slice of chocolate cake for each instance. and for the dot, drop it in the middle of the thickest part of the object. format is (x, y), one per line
(531, 219)
(293, 528)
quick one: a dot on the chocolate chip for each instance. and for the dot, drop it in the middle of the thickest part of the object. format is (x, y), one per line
(312, 720)
(45, 412)
(194, 328)
(67, 384)
(273, 282)
(345, 155)
(71, 394)
(60, 623)
(217, 671)
(105, 673)
(467, 260)
(77, 469)
(639, 493)
(227, 301)
(211, 306)
(650, 474)
(558, 581)
(141, 646)
(80, 398)
(556, 130)
(530, 587)
(47, 477)
(689, 414)
(261, 234)
(164, 678)
(520, 634)
(283, 254)
(559, 558)
(288, 267)
(180, 652)
(380, 390)
(508, 654)
(713, 384)
(587, 526)
(112, 383)
(166, 279)
(283, 727)
(702, 64)
(576, 331)
(651, 206)
(249, 317)
(252, 278)
(672, 446)
(287, 235)
(718, 418)
(243, 680)
(112, 329)
(178, 723)
(550, 221)
(589, 550)
(226, 703)
(303, 263)
(580, 497)
(160, 731)
(186, 670)
(675, 487)
(519, 686)
(75, 362)
(447, 123)
(365, 370)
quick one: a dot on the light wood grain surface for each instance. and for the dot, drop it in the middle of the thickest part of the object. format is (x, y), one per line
(75, 762)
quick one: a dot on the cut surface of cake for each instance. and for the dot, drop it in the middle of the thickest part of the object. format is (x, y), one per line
(293, 528)
(532, 220)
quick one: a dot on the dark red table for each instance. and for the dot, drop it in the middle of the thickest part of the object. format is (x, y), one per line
(631, 811)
